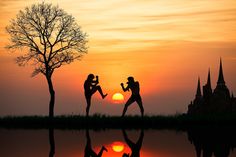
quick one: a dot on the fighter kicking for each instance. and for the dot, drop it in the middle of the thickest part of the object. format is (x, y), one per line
(91, 87)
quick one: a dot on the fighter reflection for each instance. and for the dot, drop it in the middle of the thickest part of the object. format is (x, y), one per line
(212, 141)
(88, 151)
(135, 147)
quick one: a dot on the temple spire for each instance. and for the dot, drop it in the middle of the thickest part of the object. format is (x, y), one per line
(221, 80)
(198, 94)
(209, 79)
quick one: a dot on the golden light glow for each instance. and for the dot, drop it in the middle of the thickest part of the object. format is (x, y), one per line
(159, 43)
(117, 147)
(118, 97)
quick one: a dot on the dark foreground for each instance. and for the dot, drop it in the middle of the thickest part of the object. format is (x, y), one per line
(180, 122)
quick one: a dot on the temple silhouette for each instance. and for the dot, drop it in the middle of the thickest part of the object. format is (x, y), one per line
(215, 101)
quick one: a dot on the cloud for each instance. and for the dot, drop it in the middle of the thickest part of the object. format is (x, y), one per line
(186, 14)
(231, 58)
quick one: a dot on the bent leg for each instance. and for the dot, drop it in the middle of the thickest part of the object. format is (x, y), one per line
(129, 102)
(99, 89)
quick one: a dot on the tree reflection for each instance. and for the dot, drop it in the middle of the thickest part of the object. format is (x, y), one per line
(51, 142)
(212, 141)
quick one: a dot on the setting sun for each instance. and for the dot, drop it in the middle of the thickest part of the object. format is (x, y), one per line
(117, 97)
(117, 147)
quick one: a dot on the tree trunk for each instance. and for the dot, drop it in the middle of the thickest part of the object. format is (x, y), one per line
(52, 97)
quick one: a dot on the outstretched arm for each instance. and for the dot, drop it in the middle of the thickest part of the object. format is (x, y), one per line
(124, 89)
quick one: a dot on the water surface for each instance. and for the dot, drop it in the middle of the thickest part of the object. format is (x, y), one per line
(143, 143)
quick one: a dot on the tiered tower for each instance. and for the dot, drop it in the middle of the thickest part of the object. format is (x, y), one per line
(210, 102)
(221, 89)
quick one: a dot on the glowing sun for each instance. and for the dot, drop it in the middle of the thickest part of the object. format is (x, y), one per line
(117, 147)
(117, 97)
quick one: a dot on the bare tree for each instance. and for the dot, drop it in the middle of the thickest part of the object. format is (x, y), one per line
(51, 37)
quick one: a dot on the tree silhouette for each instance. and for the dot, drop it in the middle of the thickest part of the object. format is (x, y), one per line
(51, 37)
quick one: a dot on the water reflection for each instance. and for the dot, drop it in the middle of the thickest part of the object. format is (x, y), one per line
(51, 142)
(134, 146)
(88, 151)
(212, 141)
(117, 146)
(135, 143)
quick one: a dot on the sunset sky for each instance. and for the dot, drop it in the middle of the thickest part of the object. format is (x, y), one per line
(165, 45)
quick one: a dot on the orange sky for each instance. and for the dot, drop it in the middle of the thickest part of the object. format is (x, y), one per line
(165, 45)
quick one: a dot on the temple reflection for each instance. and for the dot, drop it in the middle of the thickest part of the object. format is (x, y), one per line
(219, 142)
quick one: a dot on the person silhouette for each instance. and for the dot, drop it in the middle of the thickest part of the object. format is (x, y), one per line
(88, 151)
(135, 96)
(134, 147)
(91, 87)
